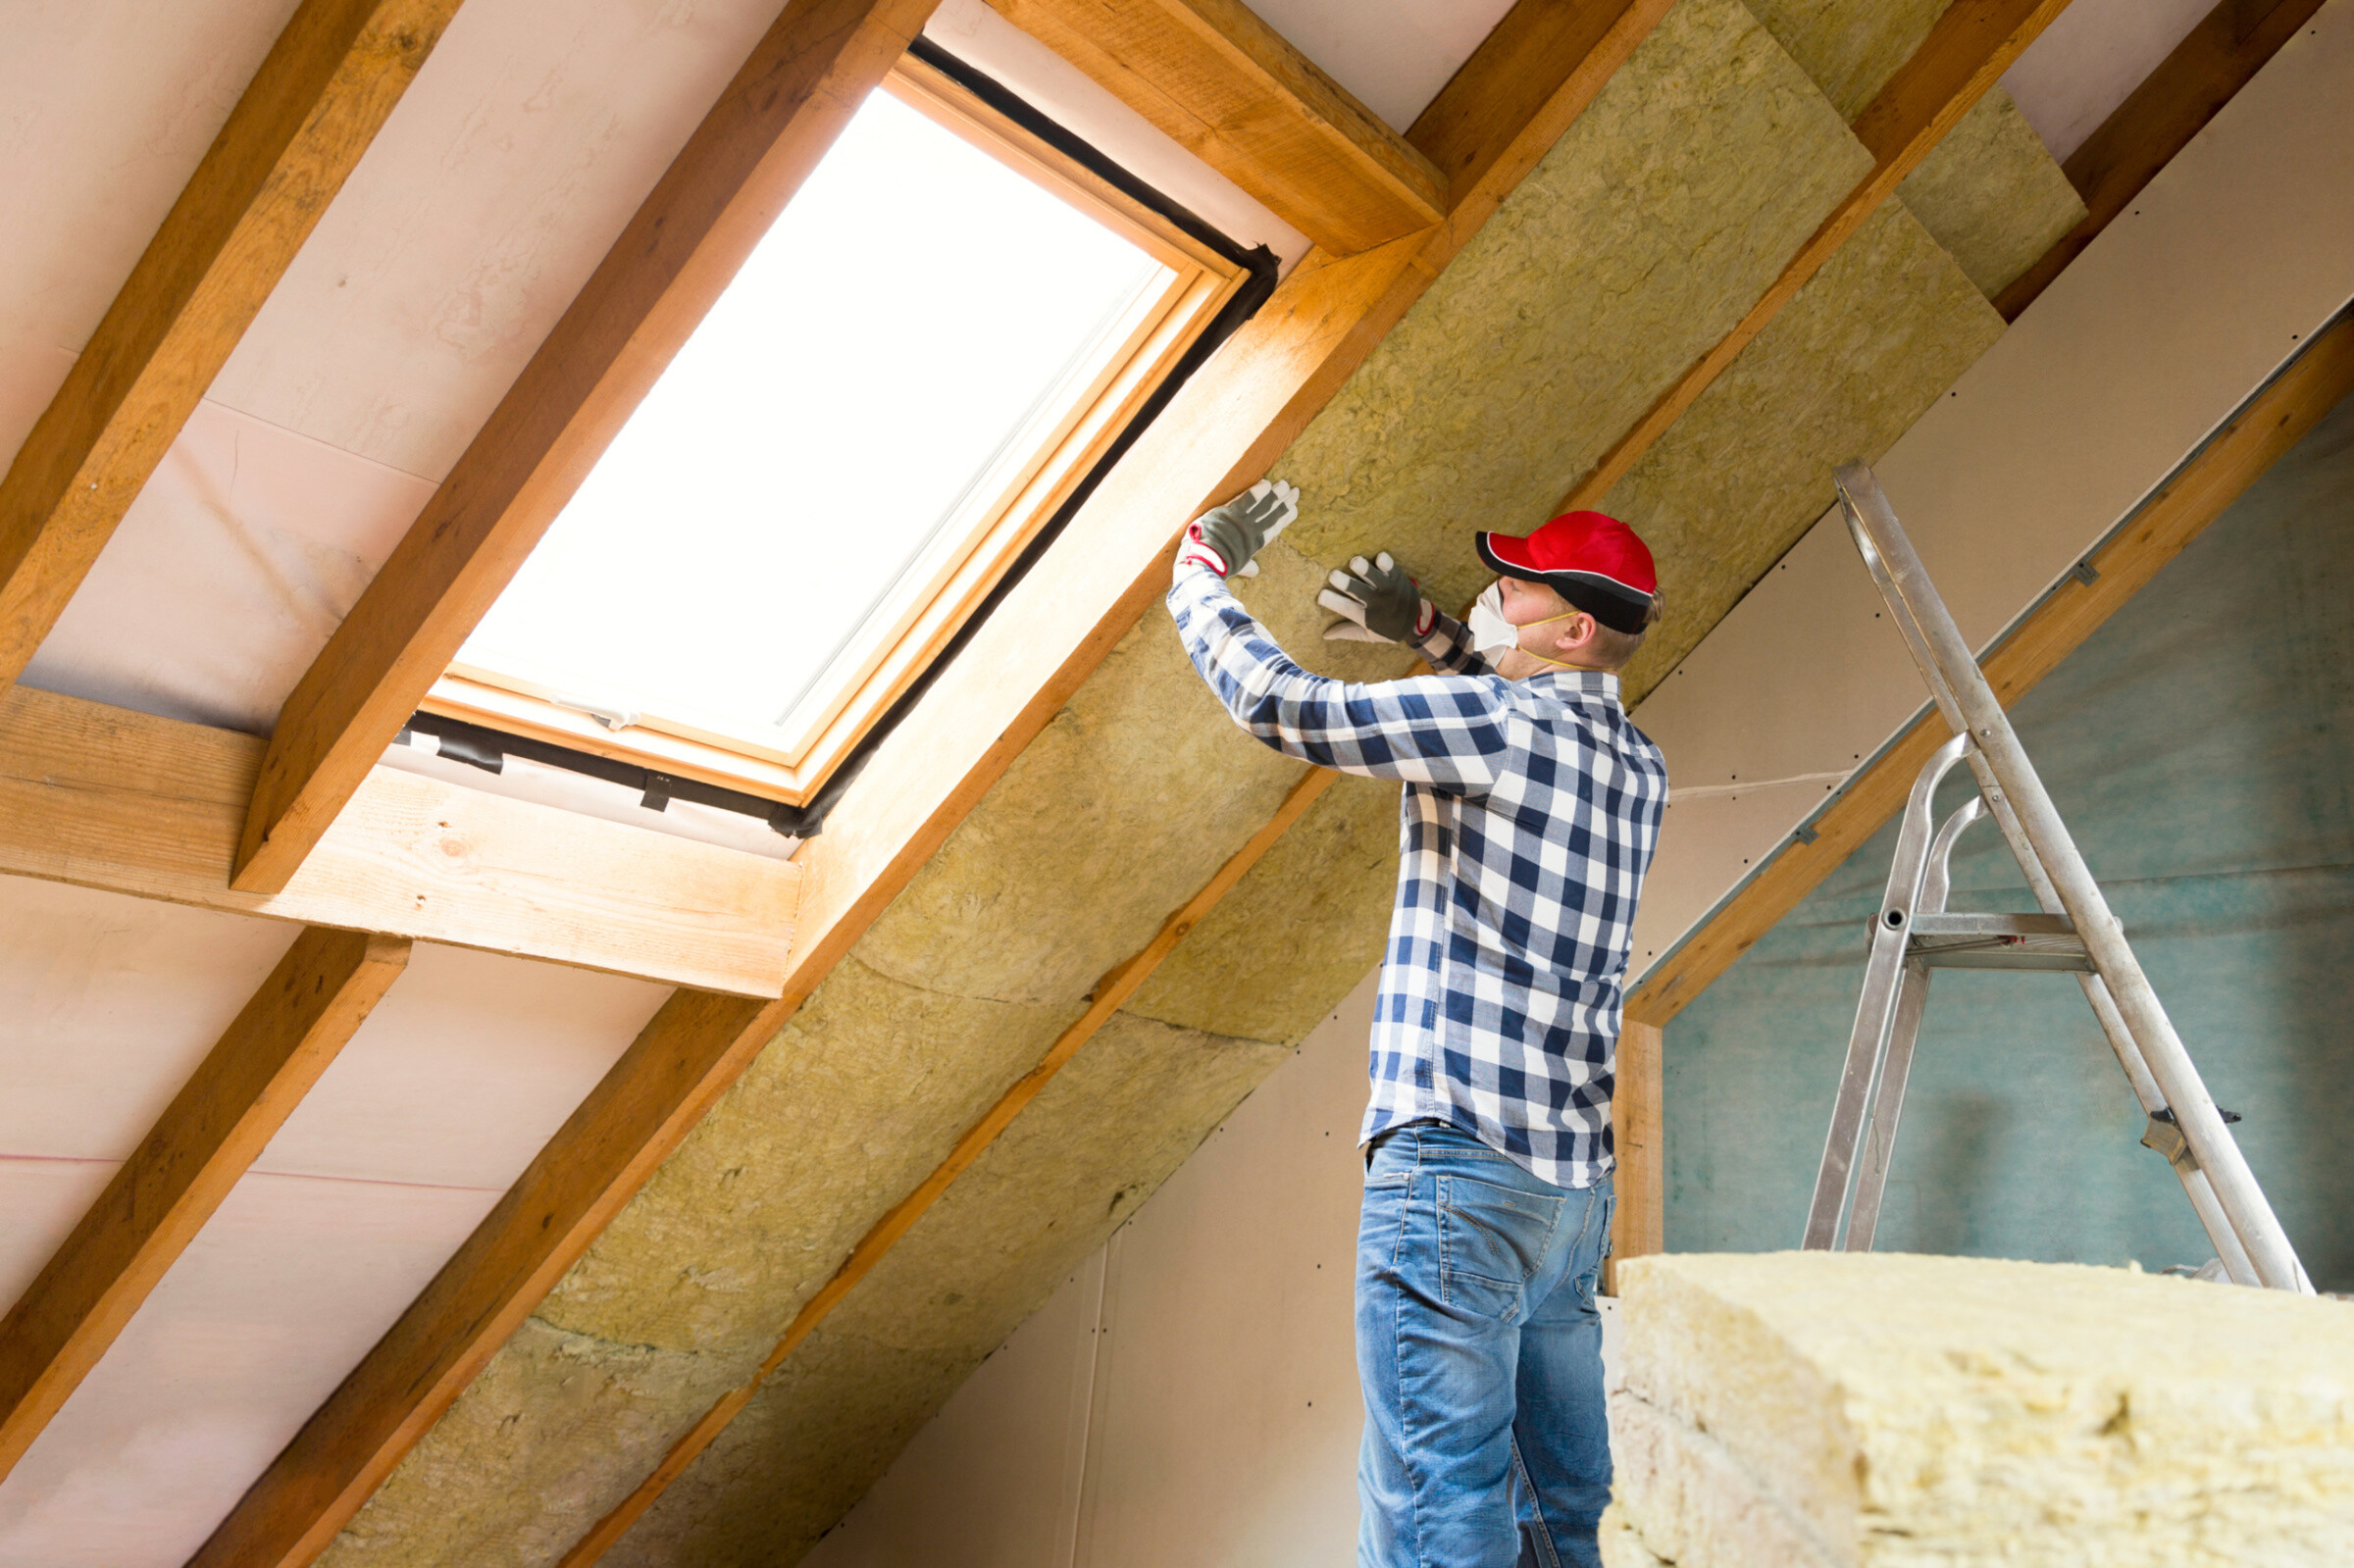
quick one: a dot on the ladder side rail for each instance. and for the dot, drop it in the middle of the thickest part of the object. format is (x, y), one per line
(1875, 1010)
(2234, 1184)
(1887, 1109)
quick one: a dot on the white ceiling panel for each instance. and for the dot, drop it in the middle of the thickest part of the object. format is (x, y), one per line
(259, 1320)
(106, 108)
(2090, 59)
(463, 1071)
(490, 194)
(107, 1004)
(41, 1200)
(1394, 55)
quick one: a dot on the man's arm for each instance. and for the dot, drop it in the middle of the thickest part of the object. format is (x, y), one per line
(1448, 647)
(1377, 602)
(1441, 729)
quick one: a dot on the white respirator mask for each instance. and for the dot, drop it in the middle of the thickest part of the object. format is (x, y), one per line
(1490, 633)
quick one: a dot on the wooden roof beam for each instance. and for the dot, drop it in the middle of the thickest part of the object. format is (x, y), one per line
(2157, 121)
(1220, 434)
(2275, 420)
(106, 798)
(318, 100)
(1972, 45)
(804, 80)
(1228, 89)
(213, 1131)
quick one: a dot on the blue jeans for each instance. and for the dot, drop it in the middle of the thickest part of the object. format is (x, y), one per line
(1480, 1352)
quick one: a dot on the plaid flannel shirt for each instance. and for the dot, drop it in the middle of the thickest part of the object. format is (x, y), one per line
(1530, 816)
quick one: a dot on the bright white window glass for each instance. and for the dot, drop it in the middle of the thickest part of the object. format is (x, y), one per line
(916, 312)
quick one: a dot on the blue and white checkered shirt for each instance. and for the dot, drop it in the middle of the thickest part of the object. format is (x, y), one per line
(1530, 812)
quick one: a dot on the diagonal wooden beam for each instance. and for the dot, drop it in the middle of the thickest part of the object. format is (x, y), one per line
(107, 797)
(2218, 57)
(2235, 458)
(214, 1128)
(1226, 86)
(1110, 564)
(776, 119)
(1972, 45)
(309, 112)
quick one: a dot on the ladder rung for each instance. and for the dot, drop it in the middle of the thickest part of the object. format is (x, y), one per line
(1997, 941)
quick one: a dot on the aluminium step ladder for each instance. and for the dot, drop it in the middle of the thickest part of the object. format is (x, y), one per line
(1912, 934)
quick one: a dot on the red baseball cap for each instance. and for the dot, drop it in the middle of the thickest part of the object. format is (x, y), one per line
(1590, 559)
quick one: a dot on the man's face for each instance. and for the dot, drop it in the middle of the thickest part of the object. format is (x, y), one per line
(1526, 603)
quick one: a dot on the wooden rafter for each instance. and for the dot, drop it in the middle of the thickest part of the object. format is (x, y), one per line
(776, 119)
(2250, 443)
(1639, 1223)
(1225, 86)
(2218, 57)
(159, 1199)
(1972, 45)
(1220, 433)
(309, 112)
(106, 798)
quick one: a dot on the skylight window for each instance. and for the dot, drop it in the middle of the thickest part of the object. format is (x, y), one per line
(926, 352)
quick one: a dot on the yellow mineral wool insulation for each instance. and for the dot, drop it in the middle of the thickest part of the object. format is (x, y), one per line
(1891, 1411)
(1992, 194)
(1867, 345)
(1850, 47)
(1078, 1163)
(1296, 932)
(1647, 232)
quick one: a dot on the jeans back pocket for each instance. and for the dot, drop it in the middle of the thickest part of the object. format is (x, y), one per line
(1490, 1240)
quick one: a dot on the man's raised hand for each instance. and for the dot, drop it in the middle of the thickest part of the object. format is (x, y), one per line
(1226, 537)
(1376, 601)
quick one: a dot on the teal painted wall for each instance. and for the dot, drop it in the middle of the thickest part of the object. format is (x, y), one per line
(2201, 747)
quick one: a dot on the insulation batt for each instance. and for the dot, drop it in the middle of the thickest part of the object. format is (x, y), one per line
(1808, 1409)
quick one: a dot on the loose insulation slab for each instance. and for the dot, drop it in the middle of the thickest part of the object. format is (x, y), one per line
(1992, 194)
(1107, 1132)
(1882, 1410)
(1850, 48)
(1641, 239)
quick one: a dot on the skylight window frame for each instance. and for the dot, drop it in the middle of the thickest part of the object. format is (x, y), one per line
(892, 651)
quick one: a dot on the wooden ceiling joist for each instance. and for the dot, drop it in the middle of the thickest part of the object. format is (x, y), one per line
(309, 112)
(109, 799)
(1226, 86)
(1970, 45)
(2235, 458)
(804, 80)
(2217, 58)
(159, 1199)
(1220, 434)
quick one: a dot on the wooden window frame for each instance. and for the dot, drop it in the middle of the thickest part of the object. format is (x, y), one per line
(891, 650)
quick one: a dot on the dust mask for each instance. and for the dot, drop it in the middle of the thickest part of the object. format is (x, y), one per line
(1490, 633)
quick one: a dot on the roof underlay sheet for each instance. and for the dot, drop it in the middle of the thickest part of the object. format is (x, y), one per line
(1647, 232)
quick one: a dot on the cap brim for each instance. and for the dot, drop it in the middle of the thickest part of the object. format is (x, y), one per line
(1505, 554)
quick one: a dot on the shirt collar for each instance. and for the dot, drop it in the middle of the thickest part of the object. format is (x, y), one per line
(1579, 682)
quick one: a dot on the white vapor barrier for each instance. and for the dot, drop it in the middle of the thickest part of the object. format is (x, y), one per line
(2223, 268)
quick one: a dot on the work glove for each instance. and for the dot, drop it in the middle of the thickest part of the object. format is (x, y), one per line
(1226, 537)
(1376, 601)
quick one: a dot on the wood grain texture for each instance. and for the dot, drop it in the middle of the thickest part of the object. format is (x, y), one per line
(768, 130)
(2218, 57)
(159, 1199)
(1109, 567)
(1111, 993)
(1973, 44)
(1227, 88)
(2233, 459)
(107, 797)
(318, 100)
(1638, 1122)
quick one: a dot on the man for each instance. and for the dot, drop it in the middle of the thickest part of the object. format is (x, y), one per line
(1530, 809)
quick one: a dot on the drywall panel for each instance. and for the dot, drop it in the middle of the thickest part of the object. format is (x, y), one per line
(111, 105)
(2164, 326)
(1393, 55)
(270, 1305)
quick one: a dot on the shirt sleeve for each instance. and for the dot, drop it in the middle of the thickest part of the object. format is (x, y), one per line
(1451, 732)
(1448, 647)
